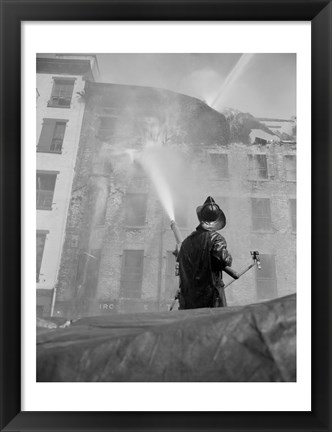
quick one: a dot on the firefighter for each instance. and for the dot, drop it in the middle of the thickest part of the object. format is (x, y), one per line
(202, 258)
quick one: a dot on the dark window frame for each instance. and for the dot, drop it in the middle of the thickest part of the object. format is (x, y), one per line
(105, 133)
(257, 216)
(262, 280)
(254, 169)
(44, 196)
(60, 96)
(57, 142)
(135, 219)
(220, 170)
(290, 174)
(139, 179)
(131, 280)
(48, 136)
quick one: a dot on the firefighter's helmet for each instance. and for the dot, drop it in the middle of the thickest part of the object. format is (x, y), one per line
(210, 215)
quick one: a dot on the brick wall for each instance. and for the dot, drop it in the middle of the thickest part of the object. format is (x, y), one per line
(103, 177)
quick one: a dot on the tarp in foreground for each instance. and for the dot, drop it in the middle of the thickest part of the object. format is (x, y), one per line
(251, 343)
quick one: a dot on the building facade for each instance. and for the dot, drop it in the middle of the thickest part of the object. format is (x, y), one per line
(139, 149)
(60, 109)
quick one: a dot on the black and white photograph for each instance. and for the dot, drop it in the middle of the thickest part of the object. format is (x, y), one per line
(166, 217)
(150, 173)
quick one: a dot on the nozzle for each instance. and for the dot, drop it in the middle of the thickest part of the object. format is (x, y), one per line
(176, 232)
(255, 257)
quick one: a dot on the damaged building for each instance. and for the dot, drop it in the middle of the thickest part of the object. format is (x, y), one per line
(117, 254)
(117, 245)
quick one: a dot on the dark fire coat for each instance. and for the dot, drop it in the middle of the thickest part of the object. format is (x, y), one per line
(202, 257)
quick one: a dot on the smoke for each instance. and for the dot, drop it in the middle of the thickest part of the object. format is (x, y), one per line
(180, 184)
(202, 84)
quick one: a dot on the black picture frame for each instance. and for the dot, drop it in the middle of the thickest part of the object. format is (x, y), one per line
(13, 12)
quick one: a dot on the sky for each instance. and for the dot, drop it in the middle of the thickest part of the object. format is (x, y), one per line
(262, 84)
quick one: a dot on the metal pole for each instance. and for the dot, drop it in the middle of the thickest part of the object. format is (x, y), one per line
(53, 301)
(255, 257)
(240, 274)
(161, 250)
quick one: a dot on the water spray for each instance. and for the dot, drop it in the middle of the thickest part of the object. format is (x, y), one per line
(232, 77)
(151, 166)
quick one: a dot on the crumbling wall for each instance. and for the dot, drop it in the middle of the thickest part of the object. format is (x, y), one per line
(234, 195)
(145, 116)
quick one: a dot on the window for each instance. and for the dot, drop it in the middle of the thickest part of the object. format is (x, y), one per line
(220, 164)
(101, 166)
(135, 208)
(107, 127)
(258, 167)
(261, 214)
(59, 133)
(41, 237)
(171, 281)
(266, 282)
(139, 179)
(61, 93)
(132, 274)
(45, 189)
(292, 205)
(290, 168)
(52, 135)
